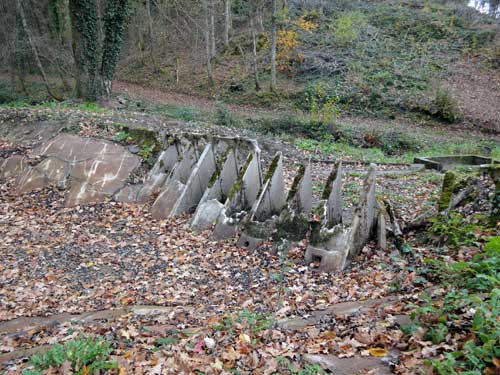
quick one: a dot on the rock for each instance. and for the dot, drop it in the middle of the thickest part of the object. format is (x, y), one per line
(12, 166)
(95, 169)
(134, 149)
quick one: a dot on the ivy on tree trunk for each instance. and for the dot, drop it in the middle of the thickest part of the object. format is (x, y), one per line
(95, 61)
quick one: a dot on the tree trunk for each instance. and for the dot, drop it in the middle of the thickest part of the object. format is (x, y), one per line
(207, 43)
(83, 14)
(34, 50)
(254, 55)
(274, 31)
(212, 29)
(151, 35)
(227, 22)
(115, 17)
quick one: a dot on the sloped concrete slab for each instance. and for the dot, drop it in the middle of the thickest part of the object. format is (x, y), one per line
(272, 199)
(334, 201)
(197, 182)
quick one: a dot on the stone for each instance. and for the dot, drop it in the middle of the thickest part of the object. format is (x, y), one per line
(349, 366)
(128, 194)
(13, 166)
(95, 169)
(31, 179)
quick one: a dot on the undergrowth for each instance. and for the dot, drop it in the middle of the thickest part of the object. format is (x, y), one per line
(464, 320)
(84, 355)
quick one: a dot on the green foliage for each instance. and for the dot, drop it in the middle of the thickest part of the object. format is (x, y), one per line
(247, 320)
(286, 367)
(91, 107)
(86, 355)
(183, 113)
(445, 107)
(347, 28)
(470, 307)
(292, 125)
(115, 17)
(454, 230)
(322, 102)
(223, 117)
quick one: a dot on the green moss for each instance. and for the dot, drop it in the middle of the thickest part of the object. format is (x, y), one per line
(259, 229)
(447, 190)
(290, 226)
(329, 181)
(239, 182)
(296, 182)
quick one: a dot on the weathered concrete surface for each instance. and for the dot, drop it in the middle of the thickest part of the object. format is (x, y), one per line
(334, 202)
(349, 366)
(335, 246)
(159, 173)
(212, 202)
(300, 196)
(241, 197)
(365, 216)
(272, 198)
(197, 182)
(175, 183)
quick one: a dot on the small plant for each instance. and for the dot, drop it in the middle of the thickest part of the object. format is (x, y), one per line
(347, 28)
(223, 117)
(86, 355)
(470, 308)
(91, 107)
(453, 230)
(286, 367)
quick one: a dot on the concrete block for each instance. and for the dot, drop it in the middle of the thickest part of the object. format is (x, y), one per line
(197, 182)
(333, 196)
(272, 199)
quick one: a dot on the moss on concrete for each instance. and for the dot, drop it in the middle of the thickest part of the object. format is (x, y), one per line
(296, 182)
(291, 226)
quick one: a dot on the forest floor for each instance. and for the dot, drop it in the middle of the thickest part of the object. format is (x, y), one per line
(170, 301)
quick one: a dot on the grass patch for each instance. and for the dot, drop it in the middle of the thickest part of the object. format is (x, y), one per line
(183, 113)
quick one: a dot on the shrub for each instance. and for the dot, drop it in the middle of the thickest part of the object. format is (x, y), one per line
(453, 229)
(223, 117)
(347, 28)
(445, 106)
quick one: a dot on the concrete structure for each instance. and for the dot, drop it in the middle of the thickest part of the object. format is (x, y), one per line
(217, 179)
(334, 244)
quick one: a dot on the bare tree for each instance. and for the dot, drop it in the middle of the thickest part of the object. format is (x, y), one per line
(227, 21)
(39, 65)
(212, 29)
(274, 32)
(207, 43)
(254, 55)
